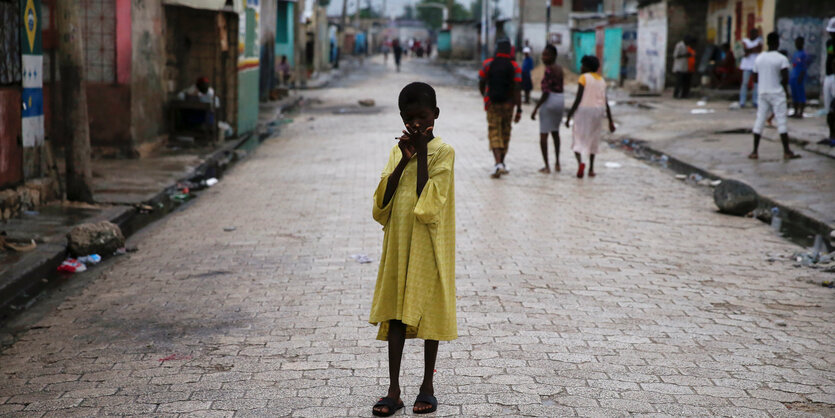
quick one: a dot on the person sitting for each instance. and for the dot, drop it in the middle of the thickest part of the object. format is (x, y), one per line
(200, 92)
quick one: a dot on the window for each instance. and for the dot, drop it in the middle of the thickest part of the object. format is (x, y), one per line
(99, 18)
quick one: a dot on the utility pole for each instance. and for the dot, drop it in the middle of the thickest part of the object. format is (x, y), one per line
(547, 21)
(340, 34)
(484, 32)
(74, 102)
(300, 42)
(520, 37)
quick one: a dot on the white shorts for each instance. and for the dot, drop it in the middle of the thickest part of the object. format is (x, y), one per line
(771, 102)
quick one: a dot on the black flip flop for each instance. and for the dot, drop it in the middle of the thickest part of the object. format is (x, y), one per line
(392, 404)
(428, 399)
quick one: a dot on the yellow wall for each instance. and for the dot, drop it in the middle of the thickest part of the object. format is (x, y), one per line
(763, 11)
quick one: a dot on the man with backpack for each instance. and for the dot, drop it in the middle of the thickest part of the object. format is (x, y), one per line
(500, 78)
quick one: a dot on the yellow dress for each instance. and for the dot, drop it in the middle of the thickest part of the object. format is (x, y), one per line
(416, 279)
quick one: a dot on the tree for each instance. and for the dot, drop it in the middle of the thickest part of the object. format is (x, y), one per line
(434, 17)
(74, 101)
(408, 12)
(475, 10)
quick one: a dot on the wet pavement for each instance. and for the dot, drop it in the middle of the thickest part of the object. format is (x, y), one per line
(622, 294)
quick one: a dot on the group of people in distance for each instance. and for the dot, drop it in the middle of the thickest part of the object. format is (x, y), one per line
(399, 50)
(501, 81)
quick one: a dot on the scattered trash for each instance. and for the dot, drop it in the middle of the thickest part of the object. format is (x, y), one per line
(16, 247)
(229, 228)
(695, 177)
(90, 259)
(828, 283)
(173, 357)
(664, 161)
(776, 222)
(31, 212)
(120, 251)
(367, 102)
(715, 183)
(144, 208)
(734, 106)
(827, 141)
(209, 182)
(701, 111)
(72, 265)
(610, 164)
(780, 323)
(362, 258)
(681, 177)
(701, 103)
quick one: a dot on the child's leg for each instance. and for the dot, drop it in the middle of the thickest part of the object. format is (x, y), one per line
(427, 387)
(591, 165)
(556, 135)
(543, 146)
(396, 340)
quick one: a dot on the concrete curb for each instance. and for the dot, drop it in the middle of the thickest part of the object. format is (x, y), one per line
(790, 216)
(30, 274)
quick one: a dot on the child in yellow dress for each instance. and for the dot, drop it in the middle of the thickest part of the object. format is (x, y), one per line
(415, 202)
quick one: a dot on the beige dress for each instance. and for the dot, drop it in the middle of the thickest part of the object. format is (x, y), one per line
(588, 119)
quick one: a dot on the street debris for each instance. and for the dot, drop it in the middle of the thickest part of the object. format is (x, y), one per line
(701, 111)
(90, 259)
(715, 183)
(95, 238)
(362, 258)
(610, 164)
(209, 182)
(71, 266)
(229, 228)
(173, 357)
(7, 244)
(681, 177)
(367, 102)
(735, 197)
(701, 103)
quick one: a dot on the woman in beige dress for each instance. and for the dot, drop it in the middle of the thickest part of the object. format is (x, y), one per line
(590, 106)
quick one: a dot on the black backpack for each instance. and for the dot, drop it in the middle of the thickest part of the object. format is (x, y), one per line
(500, 80)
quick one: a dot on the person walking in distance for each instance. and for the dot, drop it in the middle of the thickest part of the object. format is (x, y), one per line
(829, 81)
(752, 45)
(527, 67)
(590, 105)
(797, 78)
(414, 296)
(397, 49)
(499, 82)
(771, 72)
(552, 103)
(684, 64)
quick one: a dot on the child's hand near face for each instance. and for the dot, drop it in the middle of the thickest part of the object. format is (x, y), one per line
(419, 135)
(406, 147)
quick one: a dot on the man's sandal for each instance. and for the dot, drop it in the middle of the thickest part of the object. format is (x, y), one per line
(392, 404)
(791, 156)
(753, 156)
(427, 399)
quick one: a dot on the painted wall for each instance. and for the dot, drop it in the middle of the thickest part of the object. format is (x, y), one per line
(812, 29)
(248, 63)
(284, 34)
(731, 20)
(147, 83)
(652, 46)
(11, 153)
(534, 33)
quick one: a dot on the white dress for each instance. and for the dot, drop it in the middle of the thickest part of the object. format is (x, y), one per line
(588, 120)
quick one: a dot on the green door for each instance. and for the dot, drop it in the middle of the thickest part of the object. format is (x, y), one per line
(583, 45)
(613, 40)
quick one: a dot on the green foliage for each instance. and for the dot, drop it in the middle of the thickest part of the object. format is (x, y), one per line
(434, 17)
(408, 12)
(369, 13)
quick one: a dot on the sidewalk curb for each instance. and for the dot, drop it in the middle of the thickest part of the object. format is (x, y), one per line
(789, 215)
(29, 275)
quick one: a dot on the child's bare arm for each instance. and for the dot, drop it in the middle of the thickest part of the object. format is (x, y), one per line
(576, 104)
(394, 180)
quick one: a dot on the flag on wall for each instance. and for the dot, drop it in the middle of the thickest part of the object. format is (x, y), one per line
(32, 65)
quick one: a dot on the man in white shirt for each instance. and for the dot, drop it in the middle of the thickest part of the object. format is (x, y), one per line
(771, 72)
(681, 68)
(752, 45)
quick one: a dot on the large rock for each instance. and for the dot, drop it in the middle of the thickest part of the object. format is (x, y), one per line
(102, 238)
(735, 197)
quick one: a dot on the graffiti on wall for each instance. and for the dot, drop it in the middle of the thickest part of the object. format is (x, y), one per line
(812, 29)
(652, 46)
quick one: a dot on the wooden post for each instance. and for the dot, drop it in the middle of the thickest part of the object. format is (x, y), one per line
(76, 128)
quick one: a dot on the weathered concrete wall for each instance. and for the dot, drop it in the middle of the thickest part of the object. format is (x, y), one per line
(148, 89)
(652, 46)
(11, 153)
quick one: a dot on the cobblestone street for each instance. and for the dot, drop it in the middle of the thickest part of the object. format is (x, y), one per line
(617, 295)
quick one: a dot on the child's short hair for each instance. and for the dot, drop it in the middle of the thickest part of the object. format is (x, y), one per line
(417, 93)
(591, 62)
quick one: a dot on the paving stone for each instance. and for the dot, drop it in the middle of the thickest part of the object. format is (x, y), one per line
(624, 294)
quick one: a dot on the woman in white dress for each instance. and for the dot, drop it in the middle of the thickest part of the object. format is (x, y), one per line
(590, 106)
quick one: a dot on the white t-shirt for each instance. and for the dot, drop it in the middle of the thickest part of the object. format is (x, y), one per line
(680, 64)
(747, 63)
(768, 67)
